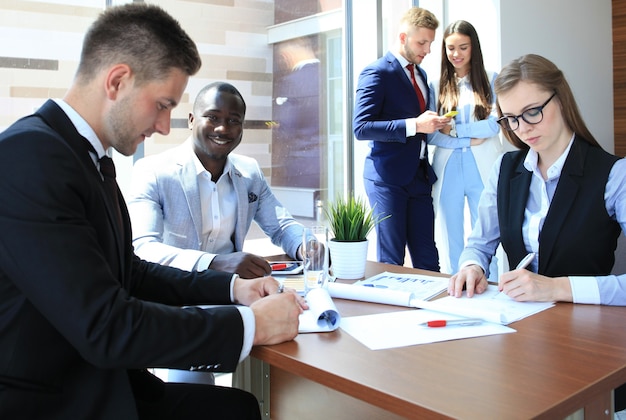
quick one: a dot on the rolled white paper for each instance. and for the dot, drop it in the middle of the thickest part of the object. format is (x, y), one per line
(370, 294)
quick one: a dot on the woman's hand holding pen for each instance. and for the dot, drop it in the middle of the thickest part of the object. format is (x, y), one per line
(471, 277)
(524, 286)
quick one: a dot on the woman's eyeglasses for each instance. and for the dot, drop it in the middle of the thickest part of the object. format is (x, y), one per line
(531, 116)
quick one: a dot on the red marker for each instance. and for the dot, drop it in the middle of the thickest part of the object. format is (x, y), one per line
(458, 322)
(281, 266)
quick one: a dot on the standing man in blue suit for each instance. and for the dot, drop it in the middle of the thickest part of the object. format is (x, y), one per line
(391, 111)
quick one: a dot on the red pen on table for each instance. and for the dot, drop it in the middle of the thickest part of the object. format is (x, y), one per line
(456, 322)
(279, 266)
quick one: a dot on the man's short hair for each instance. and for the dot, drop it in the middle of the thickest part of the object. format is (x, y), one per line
(219, 86)
(419, 18)
(144, 37)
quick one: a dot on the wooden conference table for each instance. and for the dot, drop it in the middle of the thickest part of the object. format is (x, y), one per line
(563, 359)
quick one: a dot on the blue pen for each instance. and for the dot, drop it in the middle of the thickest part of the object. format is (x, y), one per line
(380, 286)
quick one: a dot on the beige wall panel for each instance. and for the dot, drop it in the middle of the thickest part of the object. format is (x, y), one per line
(200, 20)
(42, 78)
(184, 108)
(215, 2)
(77, 19)
(251, 76)
(263, 88)
(29, 92)
(258, 140)
(7, 78)
(232, 63)
(158, 143)
(15, 108)
(207, 71)
(201, 34)
(42, 7)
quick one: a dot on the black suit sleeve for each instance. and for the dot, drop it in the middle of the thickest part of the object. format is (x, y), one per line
(60, 281)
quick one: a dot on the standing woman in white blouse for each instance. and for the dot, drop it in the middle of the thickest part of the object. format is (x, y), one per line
(466, 149)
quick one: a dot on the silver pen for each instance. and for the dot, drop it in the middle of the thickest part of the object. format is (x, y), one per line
(525, 261)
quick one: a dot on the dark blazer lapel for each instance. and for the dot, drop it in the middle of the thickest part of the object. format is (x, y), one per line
(58, 120)
(404, 81)
(519, 188)
(564, 197)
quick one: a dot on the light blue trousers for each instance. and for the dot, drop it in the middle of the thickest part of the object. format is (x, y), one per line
(461, 181)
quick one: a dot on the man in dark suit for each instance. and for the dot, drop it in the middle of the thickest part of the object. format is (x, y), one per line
(297, 142)
(391, 112)
(81, 316)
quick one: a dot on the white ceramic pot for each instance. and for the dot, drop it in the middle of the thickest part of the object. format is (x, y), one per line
(348, 259)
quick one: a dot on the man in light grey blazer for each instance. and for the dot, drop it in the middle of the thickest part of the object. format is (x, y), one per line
(192, 206)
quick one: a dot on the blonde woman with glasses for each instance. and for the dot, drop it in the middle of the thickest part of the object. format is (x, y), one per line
(561, 197)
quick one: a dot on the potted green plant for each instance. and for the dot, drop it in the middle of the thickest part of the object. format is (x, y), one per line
(350, 220)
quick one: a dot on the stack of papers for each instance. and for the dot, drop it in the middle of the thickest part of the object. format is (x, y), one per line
(391, 288)
(492, 306)
(398, 329)
(420, 286)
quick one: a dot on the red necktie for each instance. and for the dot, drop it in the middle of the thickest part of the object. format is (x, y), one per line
(418, 91)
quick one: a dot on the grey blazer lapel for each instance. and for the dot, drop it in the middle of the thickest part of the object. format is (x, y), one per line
(189, 184)
(242, 207)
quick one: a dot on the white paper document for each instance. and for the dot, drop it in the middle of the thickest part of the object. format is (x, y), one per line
(422, 287)
(400, 329)
(491, 306)
(322, 315)
(370, 294)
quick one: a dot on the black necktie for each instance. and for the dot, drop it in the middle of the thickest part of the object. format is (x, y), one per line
(107, 169)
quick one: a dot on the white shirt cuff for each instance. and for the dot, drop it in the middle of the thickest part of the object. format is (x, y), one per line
(248, 331)
(232, 287)
(585, 289)
(411, 127)
(204, 262)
